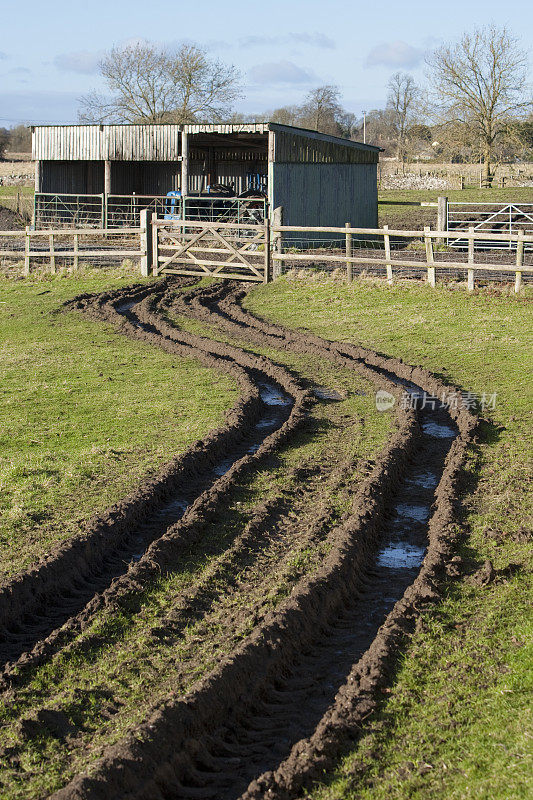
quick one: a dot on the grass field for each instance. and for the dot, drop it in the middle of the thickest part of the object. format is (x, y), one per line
(85, 413)
(456, 723)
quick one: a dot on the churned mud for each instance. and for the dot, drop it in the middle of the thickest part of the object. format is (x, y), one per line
(278, 708)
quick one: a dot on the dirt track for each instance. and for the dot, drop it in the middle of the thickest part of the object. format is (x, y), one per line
(278, 709)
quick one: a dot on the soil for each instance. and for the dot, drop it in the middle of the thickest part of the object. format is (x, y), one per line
(10, 220)
(278, 708)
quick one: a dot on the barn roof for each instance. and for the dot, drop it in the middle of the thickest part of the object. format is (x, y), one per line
(161, 142)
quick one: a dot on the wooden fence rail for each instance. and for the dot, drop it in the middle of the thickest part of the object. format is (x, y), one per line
(218, 249)
(75, 253)
(427, 236)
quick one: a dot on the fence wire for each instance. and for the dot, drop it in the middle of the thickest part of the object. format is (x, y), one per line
(403, 249)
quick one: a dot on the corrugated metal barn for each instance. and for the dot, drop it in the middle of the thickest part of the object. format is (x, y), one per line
(317, 179)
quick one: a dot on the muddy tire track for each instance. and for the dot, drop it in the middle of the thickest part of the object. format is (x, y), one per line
(144, 535)
(241, 729)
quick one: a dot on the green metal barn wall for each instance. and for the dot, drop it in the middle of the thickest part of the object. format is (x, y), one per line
(325, 194)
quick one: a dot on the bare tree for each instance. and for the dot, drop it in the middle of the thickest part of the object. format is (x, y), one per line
(4, 141)
(322, 111)
(148, 83)
(401, 102)
(480, 83)
(20, 139)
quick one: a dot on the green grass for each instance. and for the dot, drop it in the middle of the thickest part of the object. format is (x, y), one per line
(85, 412)
(456, 722)
(12, 191)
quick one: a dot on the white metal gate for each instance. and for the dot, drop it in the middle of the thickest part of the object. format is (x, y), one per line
(489, 218)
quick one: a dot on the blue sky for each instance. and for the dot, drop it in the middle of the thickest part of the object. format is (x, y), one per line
(49, 50)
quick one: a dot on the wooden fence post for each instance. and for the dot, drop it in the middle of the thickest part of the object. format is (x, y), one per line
(277, 267)
(471, 272)
(386, 242)
(27, 250)
(349, 265)
(442, 213)
(76, 251)
(52, 254)
(429, 257)
(145, 243)
(155, 243)
(268, 264)
(519, 261)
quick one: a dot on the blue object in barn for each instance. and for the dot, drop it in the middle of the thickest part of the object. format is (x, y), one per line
(173, 205)
(256, 182)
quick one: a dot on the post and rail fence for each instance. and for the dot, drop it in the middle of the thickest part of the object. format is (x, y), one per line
(261, 251)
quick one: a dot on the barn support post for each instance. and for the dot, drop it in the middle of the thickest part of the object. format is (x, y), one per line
(107, 177)
(155, 243)
(471, 272)
(349, 265)
(107, 192)
(37, 177)
(277, 216)
(442, 213)
(184, 164)
(386, 244)
(145, 235)
(519, 261)
(429, 257)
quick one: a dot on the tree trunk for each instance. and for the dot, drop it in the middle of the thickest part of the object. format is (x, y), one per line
(487, 173)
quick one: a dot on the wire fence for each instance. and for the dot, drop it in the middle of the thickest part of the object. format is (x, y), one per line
(116, 211)
(59, 248)
(476, 257)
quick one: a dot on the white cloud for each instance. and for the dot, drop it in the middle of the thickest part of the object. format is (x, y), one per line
(83, 61)
(281, 72)
(312, 39)
(394, 54)
(319, 40)
(3, 55)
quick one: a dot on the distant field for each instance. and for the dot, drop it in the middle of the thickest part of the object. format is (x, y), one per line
(415, 217)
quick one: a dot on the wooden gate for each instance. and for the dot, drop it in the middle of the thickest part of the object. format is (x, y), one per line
(214, 249)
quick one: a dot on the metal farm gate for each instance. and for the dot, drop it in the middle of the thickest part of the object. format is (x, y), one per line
(212, 249)
(489, 218)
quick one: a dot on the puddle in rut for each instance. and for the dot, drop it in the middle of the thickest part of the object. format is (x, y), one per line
(438, 431)
(272, 396)
(399, 555)
(413, 511)
(426, 480)
(223, 466)
(178, 506)
(123, 308)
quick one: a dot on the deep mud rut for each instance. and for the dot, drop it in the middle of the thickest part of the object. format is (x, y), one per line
(280, 707)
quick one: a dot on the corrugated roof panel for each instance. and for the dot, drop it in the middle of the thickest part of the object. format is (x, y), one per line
(106, 142)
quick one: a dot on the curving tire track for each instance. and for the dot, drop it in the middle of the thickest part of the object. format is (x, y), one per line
(277, 711)
(44, 607)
